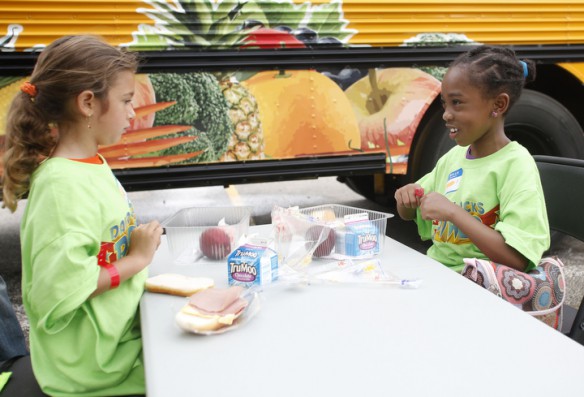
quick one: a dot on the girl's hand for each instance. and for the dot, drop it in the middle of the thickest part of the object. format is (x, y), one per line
(436, 207)
(144, 241)
(409, 196)
(407, 200)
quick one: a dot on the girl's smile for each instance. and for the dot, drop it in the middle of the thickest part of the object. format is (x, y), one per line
(453, 131)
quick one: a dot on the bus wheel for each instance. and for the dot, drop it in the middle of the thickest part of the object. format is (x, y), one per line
(365, 186)
(537, 121)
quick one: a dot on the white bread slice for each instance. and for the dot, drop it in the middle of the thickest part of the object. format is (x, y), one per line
(177, 284)
(191, 320)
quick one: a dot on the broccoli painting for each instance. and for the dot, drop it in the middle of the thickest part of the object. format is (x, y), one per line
(199, 103)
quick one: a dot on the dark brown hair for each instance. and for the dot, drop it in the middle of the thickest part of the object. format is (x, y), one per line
(64, 69)
(496, 70)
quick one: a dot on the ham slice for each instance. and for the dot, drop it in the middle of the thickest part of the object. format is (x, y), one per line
(219, 301)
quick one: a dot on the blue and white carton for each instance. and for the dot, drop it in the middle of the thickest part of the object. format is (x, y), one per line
(253, 263)
(359, 237)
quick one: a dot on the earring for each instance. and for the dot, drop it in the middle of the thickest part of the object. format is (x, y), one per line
(53, 131)
(494, 114)
(89, 121)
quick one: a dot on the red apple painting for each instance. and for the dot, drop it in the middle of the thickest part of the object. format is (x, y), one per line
(389, 104)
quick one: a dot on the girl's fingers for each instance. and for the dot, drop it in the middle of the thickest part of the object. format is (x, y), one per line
(409, 196)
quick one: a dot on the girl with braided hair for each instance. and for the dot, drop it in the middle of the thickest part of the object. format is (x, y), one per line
(84, 257)
(484, 197)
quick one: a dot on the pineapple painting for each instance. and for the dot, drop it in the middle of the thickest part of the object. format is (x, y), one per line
(247, 140)
(237, 24)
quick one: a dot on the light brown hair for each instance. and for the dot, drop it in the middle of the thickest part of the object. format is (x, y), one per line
(64, 69)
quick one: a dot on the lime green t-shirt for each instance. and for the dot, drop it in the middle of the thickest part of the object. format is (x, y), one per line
(80, 346)
(502, 190)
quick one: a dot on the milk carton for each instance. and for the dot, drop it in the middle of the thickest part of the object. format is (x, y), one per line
(253, 263)
(359, 237)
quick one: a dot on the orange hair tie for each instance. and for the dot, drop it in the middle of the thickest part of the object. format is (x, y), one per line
(29, 88)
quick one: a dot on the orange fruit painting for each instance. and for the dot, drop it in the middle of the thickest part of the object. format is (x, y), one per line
(303, 113)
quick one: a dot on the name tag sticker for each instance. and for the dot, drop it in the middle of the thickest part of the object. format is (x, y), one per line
(453, 181)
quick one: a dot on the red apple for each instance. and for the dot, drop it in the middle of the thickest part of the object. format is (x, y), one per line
(215, 243)
(397, 96)
(326, 247)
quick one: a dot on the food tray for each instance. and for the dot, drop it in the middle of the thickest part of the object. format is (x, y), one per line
(184, 229)
(334, 214)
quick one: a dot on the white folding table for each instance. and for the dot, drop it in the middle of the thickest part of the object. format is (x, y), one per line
(449, 337)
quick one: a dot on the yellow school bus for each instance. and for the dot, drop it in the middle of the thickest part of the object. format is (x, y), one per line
(235, 91)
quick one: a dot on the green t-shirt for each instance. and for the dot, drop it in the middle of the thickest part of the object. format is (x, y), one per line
(502, 190)
(80, 346)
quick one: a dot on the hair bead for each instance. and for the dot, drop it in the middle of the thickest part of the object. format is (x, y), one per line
(525, 70)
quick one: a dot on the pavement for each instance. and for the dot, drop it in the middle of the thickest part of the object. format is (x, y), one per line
(160, 204)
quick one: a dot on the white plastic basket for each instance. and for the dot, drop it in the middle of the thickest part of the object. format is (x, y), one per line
(184, 228)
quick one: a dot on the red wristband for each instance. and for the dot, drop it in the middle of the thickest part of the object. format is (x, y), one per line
(114, 276)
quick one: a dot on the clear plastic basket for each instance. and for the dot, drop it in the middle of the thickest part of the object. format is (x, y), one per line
(346, 242)
(184, 229)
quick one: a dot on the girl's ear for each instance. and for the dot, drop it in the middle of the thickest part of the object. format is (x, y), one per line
(86, 103)
(501, 104)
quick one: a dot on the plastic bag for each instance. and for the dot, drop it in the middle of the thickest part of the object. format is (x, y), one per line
(301, 237)
(298, 237)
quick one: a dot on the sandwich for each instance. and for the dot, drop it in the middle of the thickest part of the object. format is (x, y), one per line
(212, 309)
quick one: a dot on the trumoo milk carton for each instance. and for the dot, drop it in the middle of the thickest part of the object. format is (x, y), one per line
(360, 237)
(253, 263)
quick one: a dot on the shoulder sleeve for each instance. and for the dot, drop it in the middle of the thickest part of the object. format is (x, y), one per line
(65, 275)
(62, 240)
(523, 218)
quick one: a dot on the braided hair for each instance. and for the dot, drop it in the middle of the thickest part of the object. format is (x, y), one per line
(495, 70)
